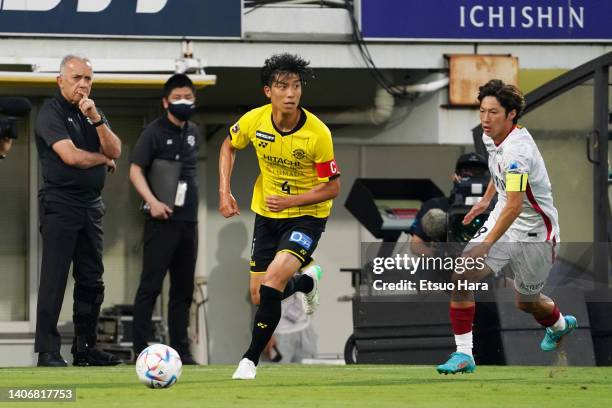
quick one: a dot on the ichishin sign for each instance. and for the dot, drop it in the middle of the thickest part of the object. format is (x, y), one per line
(523, 20)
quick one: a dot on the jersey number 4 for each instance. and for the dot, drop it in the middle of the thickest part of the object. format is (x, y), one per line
(286, 187)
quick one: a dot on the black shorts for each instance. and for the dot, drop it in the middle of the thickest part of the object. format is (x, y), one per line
(298, 236)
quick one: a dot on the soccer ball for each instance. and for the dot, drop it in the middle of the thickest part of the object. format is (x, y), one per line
(158, 366)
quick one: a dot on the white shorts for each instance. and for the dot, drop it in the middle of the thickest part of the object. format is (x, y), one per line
(530, 259)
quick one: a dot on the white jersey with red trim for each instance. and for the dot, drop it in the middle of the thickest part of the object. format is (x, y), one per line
(518, 154)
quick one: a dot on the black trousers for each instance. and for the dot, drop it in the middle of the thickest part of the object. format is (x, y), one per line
(69, 235)
(168, 246)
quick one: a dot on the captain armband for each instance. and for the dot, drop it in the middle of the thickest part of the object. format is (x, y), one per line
(327, 169)
(516, 182)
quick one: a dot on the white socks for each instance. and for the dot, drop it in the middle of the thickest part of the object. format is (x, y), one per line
(464, 343)
(559, 324)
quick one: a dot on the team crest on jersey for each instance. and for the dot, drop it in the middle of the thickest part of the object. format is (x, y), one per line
(264, 136)
(191, 140)
(235, 128)
(299, 154)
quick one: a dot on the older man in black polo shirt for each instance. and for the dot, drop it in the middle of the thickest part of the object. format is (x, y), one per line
(76, 147)
(170, 234)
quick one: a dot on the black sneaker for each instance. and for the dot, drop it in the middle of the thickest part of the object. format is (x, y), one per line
(95, 357)
(187, 359)
(51, 359)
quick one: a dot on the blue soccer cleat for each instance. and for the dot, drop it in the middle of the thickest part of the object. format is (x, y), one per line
(457, 363)
(552, 339)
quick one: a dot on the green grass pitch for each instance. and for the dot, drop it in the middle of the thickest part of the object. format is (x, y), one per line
(326, 386)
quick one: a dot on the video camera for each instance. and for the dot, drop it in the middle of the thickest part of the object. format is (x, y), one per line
(465, 194)
(10, 109)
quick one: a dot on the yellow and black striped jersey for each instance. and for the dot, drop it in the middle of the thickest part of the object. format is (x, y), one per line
(290, 162)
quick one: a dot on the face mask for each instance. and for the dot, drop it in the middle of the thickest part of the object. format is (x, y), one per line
(182, 109)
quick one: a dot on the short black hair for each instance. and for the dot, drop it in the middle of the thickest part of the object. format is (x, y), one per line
(177, 81)
(285, 64)
(509, 96)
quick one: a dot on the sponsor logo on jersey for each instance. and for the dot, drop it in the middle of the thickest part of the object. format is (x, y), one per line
(301, 239)
(191, 140)
(513, 166)
(499, 183)
(536, 287)
(264, 136)
(281, 161)
(299, 154)
(235, 128)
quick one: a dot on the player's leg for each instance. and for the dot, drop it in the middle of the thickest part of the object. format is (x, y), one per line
(263, 250)
(546, 312)
(294, 240)
(268, 313)
(266, 235)
(462, 310)
(254, 285)
(463, 307)
(531, 264)
(300, 238)
(307, 282)
(298, 282)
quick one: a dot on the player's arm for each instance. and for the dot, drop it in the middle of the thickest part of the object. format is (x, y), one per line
(82, 159)
(482, 204)
(228, 206)
(517, 176)
(318, 194)
(512, 209)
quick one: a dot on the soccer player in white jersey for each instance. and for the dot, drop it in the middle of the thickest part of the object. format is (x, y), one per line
(521, 231)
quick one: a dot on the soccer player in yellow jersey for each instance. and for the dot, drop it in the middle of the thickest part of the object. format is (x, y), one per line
(292, 196)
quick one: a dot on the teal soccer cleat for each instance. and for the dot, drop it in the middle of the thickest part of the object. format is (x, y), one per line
(457, 363)
(552, 339)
